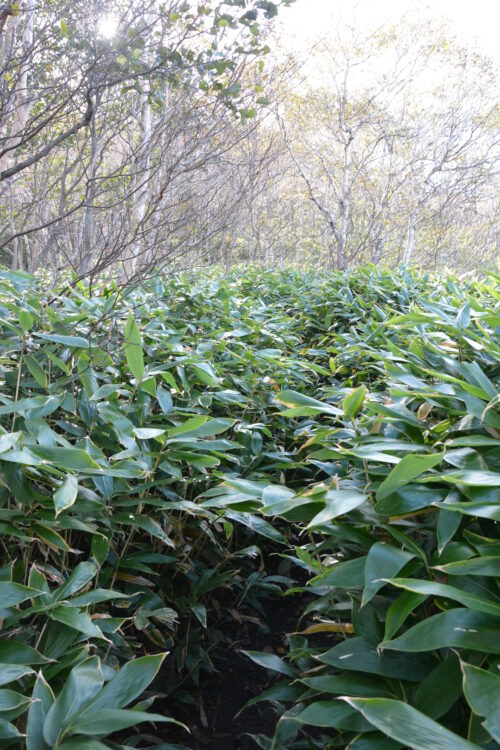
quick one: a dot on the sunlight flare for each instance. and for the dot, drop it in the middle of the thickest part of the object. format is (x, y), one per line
(107, 26)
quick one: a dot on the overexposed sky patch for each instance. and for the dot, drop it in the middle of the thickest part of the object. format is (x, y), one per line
(107, 26)
(473, 22)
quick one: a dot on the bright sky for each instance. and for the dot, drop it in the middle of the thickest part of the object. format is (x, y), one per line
(475, 22)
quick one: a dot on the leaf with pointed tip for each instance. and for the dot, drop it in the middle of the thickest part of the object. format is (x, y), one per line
(405, 724)
(17, 653)
(482, 692)
(456, 628)
(74, 618)
(111, 720)
(65, 495)
(43, 698)
(12, 594)
(294, 399)
(127, 684)
(383, 562)
(338, 503)
(356, 654)
(76, 342)
(399, 610)
(271, 661)
(440, 690)
(82, 574)
(36, 370)
(334, 714)
(353, 402)
(409, 468)
(13, 672)
(83, 684)
(434, 588)
(133, 348)
(9, 733)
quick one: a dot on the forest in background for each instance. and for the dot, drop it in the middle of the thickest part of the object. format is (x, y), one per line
(191, 135)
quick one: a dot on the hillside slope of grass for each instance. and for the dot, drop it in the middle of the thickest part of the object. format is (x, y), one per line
(156, 445)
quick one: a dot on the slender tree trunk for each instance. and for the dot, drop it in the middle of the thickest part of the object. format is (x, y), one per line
(344, 209)
(86, 248)
(21, 97)
(410, 239)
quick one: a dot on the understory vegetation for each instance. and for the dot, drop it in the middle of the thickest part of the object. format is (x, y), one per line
(175, 454)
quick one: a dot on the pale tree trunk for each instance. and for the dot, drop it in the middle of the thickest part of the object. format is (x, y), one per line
(21, 95)
(142, 172)
(85, 248)
(21, 104)
(8, 27)
(379, 250)
(344, 209)
(144, 167)
(410, 239)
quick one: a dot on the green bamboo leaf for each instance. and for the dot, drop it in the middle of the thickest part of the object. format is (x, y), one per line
(482, 692)
(18, 653)
(457, 628)
(83, 684)
(440, 690)
(80, 744)
(472, 478)
(164, 399)
(146, 524)
(349, 683)
(448, 524)
(375, 741)
(133, 348)
(50, 536)
(9, 440)
(338, 503)
(434, 588)
(65, 495)
(293, 399)
(44, 405)
(409, 468)
(190, 426)
(68, 459)
(475, 566)
(345, 575)
(96, 597)
(80, 576)
(399, 611)
(383, 562)
(36, 370)
(75, 342)
(200, 427)
(11, 701)
(271, 661)
(25, 319)
(481, 509)
(353, 402)
(127, 685)
(43, 698)
(358, 655)
(12, 594)
(9, 733)
(407, 725)
(74, 618)
(110, 720)
(335, 714)
(13, 672)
